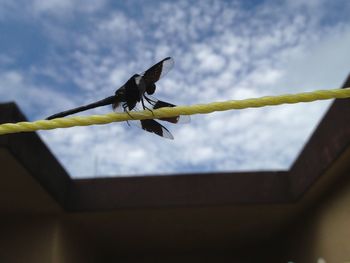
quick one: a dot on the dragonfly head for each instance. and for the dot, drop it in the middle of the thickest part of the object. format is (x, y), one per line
(150, 89)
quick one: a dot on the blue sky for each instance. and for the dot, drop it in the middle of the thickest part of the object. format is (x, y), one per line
(59, 54)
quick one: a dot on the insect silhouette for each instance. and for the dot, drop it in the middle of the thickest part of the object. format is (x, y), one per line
(136, 94)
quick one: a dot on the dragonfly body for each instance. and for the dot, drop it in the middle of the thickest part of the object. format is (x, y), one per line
(133, 93)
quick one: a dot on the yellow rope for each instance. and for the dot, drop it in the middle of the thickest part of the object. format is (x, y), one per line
(171, 112)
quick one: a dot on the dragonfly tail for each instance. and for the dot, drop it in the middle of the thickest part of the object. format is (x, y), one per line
(100, 103)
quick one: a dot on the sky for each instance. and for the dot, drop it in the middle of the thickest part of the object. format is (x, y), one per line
(59, 54)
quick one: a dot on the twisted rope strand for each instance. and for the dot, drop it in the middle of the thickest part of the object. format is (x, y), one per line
(171, 112)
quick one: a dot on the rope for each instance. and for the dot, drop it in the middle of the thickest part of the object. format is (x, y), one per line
(175, 111)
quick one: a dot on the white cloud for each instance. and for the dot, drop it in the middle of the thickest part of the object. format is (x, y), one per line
(222, 51)
(52, 5)
(61, 11)
(6, 60)
(208, 60)
(15, 86)
(64, 7)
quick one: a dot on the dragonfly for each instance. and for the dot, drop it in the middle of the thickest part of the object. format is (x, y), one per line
(136, 94)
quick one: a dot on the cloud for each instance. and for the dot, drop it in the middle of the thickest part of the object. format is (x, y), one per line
(52, 6)
(208, 60)
(34, 99)
(64, 7)
(48, 10)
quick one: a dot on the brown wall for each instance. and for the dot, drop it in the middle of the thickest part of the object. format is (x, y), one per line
(324, 230)
(71, 245)
(26, 238)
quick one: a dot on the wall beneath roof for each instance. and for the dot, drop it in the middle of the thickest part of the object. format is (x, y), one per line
(42, 238)
(33, 227)
(26, 238)
(324, 230)
(72, 245)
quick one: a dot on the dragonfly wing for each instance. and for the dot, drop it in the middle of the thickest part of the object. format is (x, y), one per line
(154, 127)
(147, 125)
(156, 104)
(157, 71)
